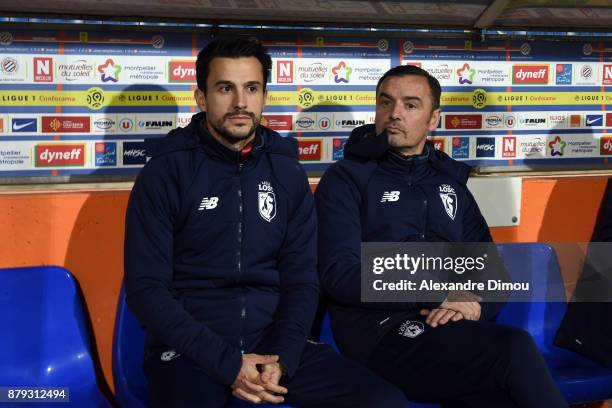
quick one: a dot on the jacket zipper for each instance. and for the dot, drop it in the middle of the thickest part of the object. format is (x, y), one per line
(239, 256)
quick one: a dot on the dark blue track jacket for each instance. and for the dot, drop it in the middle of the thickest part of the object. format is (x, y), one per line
(376, 195)
(220, 251)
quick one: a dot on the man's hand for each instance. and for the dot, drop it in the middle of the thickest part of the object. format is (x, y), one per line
(270, 378)
(249, 386)
(457, 306)
(440, 316)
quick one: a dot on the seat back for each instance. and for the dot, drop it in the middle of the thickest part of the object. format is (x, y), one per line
(45, 337)
(535, 263)
(128, 356)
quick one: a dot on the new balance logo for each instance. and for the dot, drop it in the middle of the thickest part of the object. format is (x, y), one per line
(389, 196)
(208, 203)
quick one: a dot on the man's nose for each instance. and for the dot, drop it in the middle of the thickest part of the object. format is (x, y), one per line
(395, 113)
(240, 99)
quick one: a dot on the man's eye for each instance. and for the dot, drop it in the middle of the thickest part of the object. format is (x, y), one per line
(384, 103)
(252, 89)
(411, 106)
(225, 88)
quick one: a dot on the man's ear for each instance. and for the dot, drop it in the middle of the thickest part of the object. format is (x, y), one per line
(434, 120)
(200, 98)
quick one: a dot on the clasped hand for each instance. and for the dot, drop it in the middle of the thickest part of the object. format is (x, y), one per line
(457, 306)
(258, 380)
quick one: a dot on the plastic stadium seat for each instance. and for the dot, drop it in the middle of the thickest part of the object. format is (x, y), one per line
(579, 379)
(128, 352)
(45, 338)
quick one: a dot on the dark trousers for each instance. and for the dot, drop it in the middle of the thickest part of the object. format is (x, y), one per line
(466, 364)
(324, 379)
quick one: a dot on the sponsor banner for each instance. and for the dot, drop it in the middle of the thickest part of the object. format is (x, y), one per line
(71, 69)
(66, 124)
(26, 124)
(439, 143)
(531, 146)
(16, 156)
(460, 148)
(524, 98)
(310, 149)
(96, 98)
(607, 74)
(594, 120)
(508, 147)
(485, 147)
(59, 155)
(530, 74)
(605, 144)
(563, 74)
(468, 73)
(153, 123)
(338, 144)
(13, 68)
(183, 119)
(280, 123)
(182, 71)
(573, 145)
(134, 153)
(104, 123)
(586, 74)
(462, 121)
(43, 69)
(532, 120)
(328, 71)
(494, 121)
(347, 121)
(121, 70)
(105, 154)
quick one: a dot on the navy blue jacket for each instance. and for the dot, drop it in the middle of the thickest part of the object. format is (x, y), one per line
(376, 195)
(220, 251)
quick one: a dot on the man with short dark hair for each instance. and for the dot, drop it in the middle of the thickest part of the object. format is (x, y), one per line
(220, 256)
(393, 186)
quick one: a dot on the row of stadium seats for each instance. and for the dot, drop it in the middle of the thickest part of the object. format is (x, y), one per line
(46, 335)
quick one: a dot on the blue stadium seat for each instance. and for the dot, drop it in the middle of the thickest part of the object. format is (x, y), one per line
(579, 379)
(45, 341)
(128, 352)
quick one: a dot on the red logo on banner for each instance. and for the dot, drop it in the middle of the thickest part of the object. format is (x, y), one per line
(438, 144)
(309, 150)
(606, 146)
(65, 124)
(509, 146)
(463, 121)
(608, 119)
(575, 120)
(530, 74)
(277, 122)
(60, 155)
(607, 74)
(182, 71)
(284, 72)
(43, 69)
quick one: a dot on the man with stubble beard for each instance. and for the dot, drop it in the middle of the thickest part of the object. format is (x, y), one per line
(220, 257)
(392, 186)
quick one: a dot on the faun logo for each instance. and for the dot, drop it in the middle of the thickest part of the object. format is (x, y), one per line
(266, 201)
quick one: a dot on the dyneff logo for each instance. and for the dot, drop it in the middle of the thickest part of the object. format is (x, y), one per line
(59, 155)
(182, 71)
(530, 74)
